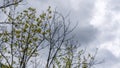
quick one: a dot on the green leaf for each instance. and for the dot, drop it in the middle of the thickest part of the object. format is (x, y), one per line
(26, 25)
(18, 36)
(32, 9)
(17, 31)
(37, 19)
(24, 30)
(48, 31)
(39, 30)
(35, 39)
(25, 11)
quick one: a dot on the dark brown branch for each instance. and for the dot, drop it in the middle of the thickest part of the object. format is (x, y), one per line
(7, 5)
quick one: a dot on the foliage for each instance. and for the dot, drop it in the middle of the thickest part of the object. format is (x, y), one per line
(27, 35)
(71, 57)
(32, 32)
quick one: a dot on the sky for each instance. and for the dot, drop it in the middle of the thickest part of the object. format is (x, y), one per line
(98, 25)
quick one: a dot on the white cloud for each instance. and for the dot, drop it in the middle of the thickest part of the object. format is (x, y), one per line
(107, 21)
(109, 27)
(99, 13)
(75, 4)
(112, 46)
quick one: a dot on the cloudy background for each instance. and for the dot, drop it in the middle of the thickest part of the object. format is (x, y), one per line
(98, 25)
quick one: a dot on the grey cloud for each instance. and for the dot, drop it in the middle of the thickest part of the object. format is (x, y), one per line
(114, 5)
(86, 34)
(108, 56)
(109, 59)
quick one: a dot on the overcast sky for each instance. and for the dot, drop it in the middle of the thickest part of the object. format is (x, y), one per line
(98, 25)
